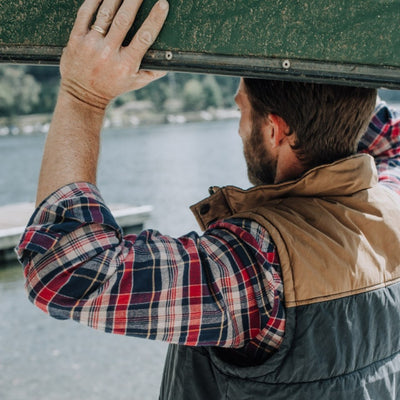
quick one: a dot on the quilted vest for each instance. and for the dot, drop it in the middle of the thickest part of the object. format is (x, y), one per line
(337, 232)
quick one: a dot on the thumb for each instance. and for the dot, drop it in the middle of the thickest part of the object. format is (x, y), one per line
(143, 77)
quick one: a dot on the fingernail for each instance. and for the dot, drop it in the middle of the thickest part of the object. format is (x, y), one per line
(163, 4)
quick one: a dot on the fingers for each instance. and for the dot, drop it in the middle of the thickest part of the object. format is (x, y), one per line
(149, 76)
(149, 31)
(123, 21)
(113, 19)
(84, 17)
(143, 78)
(106, 14)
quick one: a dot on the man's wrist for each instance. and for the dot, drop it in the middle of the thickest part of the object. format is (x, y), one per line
(83, 98)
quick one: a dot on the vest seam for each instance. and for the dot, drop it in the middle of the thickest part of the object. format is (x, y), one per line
(302, 382)
(341, 295)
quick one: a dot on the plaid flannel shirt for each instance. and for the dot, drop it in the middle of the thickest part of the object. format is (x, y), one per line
(223, 288)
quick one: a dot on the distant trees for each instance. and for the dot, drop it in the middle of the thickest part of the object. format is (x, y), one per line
(199, 94)
(49, 81)
(213, 92)
(19, 91)
(27, 89)
(33, 90)
(194, 96)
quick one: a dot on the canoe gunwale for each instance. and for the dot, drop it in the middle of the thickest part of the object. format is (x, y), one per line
(235, 65)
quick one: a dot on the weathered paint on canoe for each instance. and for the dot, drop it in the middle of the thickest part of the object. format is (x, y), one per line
(343, 40)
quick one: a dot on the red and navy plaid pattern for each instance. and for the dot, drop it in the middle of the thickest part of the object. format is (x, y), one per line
(382, 141)
(223, 288)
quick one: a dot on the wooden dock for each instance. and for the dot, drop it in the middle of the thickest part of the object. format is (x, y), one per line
(14, 217)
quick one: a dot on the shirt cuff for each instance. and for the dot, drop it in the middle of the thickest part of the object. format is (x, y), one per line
(64, 211)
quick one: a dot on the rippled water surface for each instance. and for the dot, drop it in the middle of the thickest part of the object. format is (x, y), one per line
(169, 167)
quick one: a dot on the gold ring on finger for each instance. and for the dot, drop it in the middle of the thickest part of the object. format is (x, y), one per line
(98, 29)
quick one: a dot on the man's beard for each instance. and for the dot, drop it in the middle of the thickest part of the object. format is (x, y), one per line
(261, 166)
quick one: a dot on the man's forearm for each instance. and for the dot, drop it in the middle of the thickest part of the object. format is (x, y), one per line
(95, 68)
(72, 146)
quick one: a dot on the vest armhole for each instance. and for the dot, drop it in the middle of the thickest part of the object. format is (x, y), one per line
(285, 262)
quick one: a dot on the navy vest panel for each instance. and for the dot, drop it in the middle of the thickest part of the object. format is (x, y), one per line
(347, 348)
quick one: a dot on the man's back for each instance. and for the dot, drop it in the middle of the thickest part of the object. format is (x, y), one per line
(337, 241)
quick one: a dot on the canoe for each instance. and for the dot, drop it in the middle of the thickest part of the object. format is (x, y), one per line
(350, 42)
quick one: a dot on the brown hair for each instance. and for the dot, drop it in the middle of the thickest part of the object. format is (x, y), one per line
(328, 120)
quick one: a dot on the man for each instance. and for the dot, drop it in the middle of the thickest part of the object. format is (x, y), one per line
(293, 290)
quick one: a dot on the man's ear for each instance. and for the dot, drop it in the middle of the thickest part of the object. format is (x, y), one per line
(279, 130)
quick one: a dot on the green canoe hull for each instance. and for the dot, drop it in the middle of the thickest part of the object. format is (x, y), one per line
(335, 41)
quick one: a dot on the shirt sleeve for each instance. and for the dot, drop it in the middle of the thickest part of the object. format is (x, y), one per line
(382, 141)
(220, 289)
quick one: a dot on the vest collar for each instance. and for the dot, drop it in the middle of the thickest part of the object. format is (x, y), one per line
(341, 178)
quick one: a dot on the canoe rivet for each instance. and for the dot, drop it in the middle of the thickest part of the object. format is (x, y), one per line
(168, 55)
(286, 64)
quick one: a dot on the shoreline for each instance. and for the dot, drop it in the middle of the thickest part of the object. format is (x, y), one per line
(122, 117)
(130, 115)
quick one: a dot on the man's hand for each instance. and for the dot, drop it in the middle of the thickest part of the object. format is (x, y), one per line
(95, 68)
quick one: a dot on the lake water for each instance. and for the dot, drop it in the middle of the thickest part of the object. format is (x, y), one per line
(169, 167)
